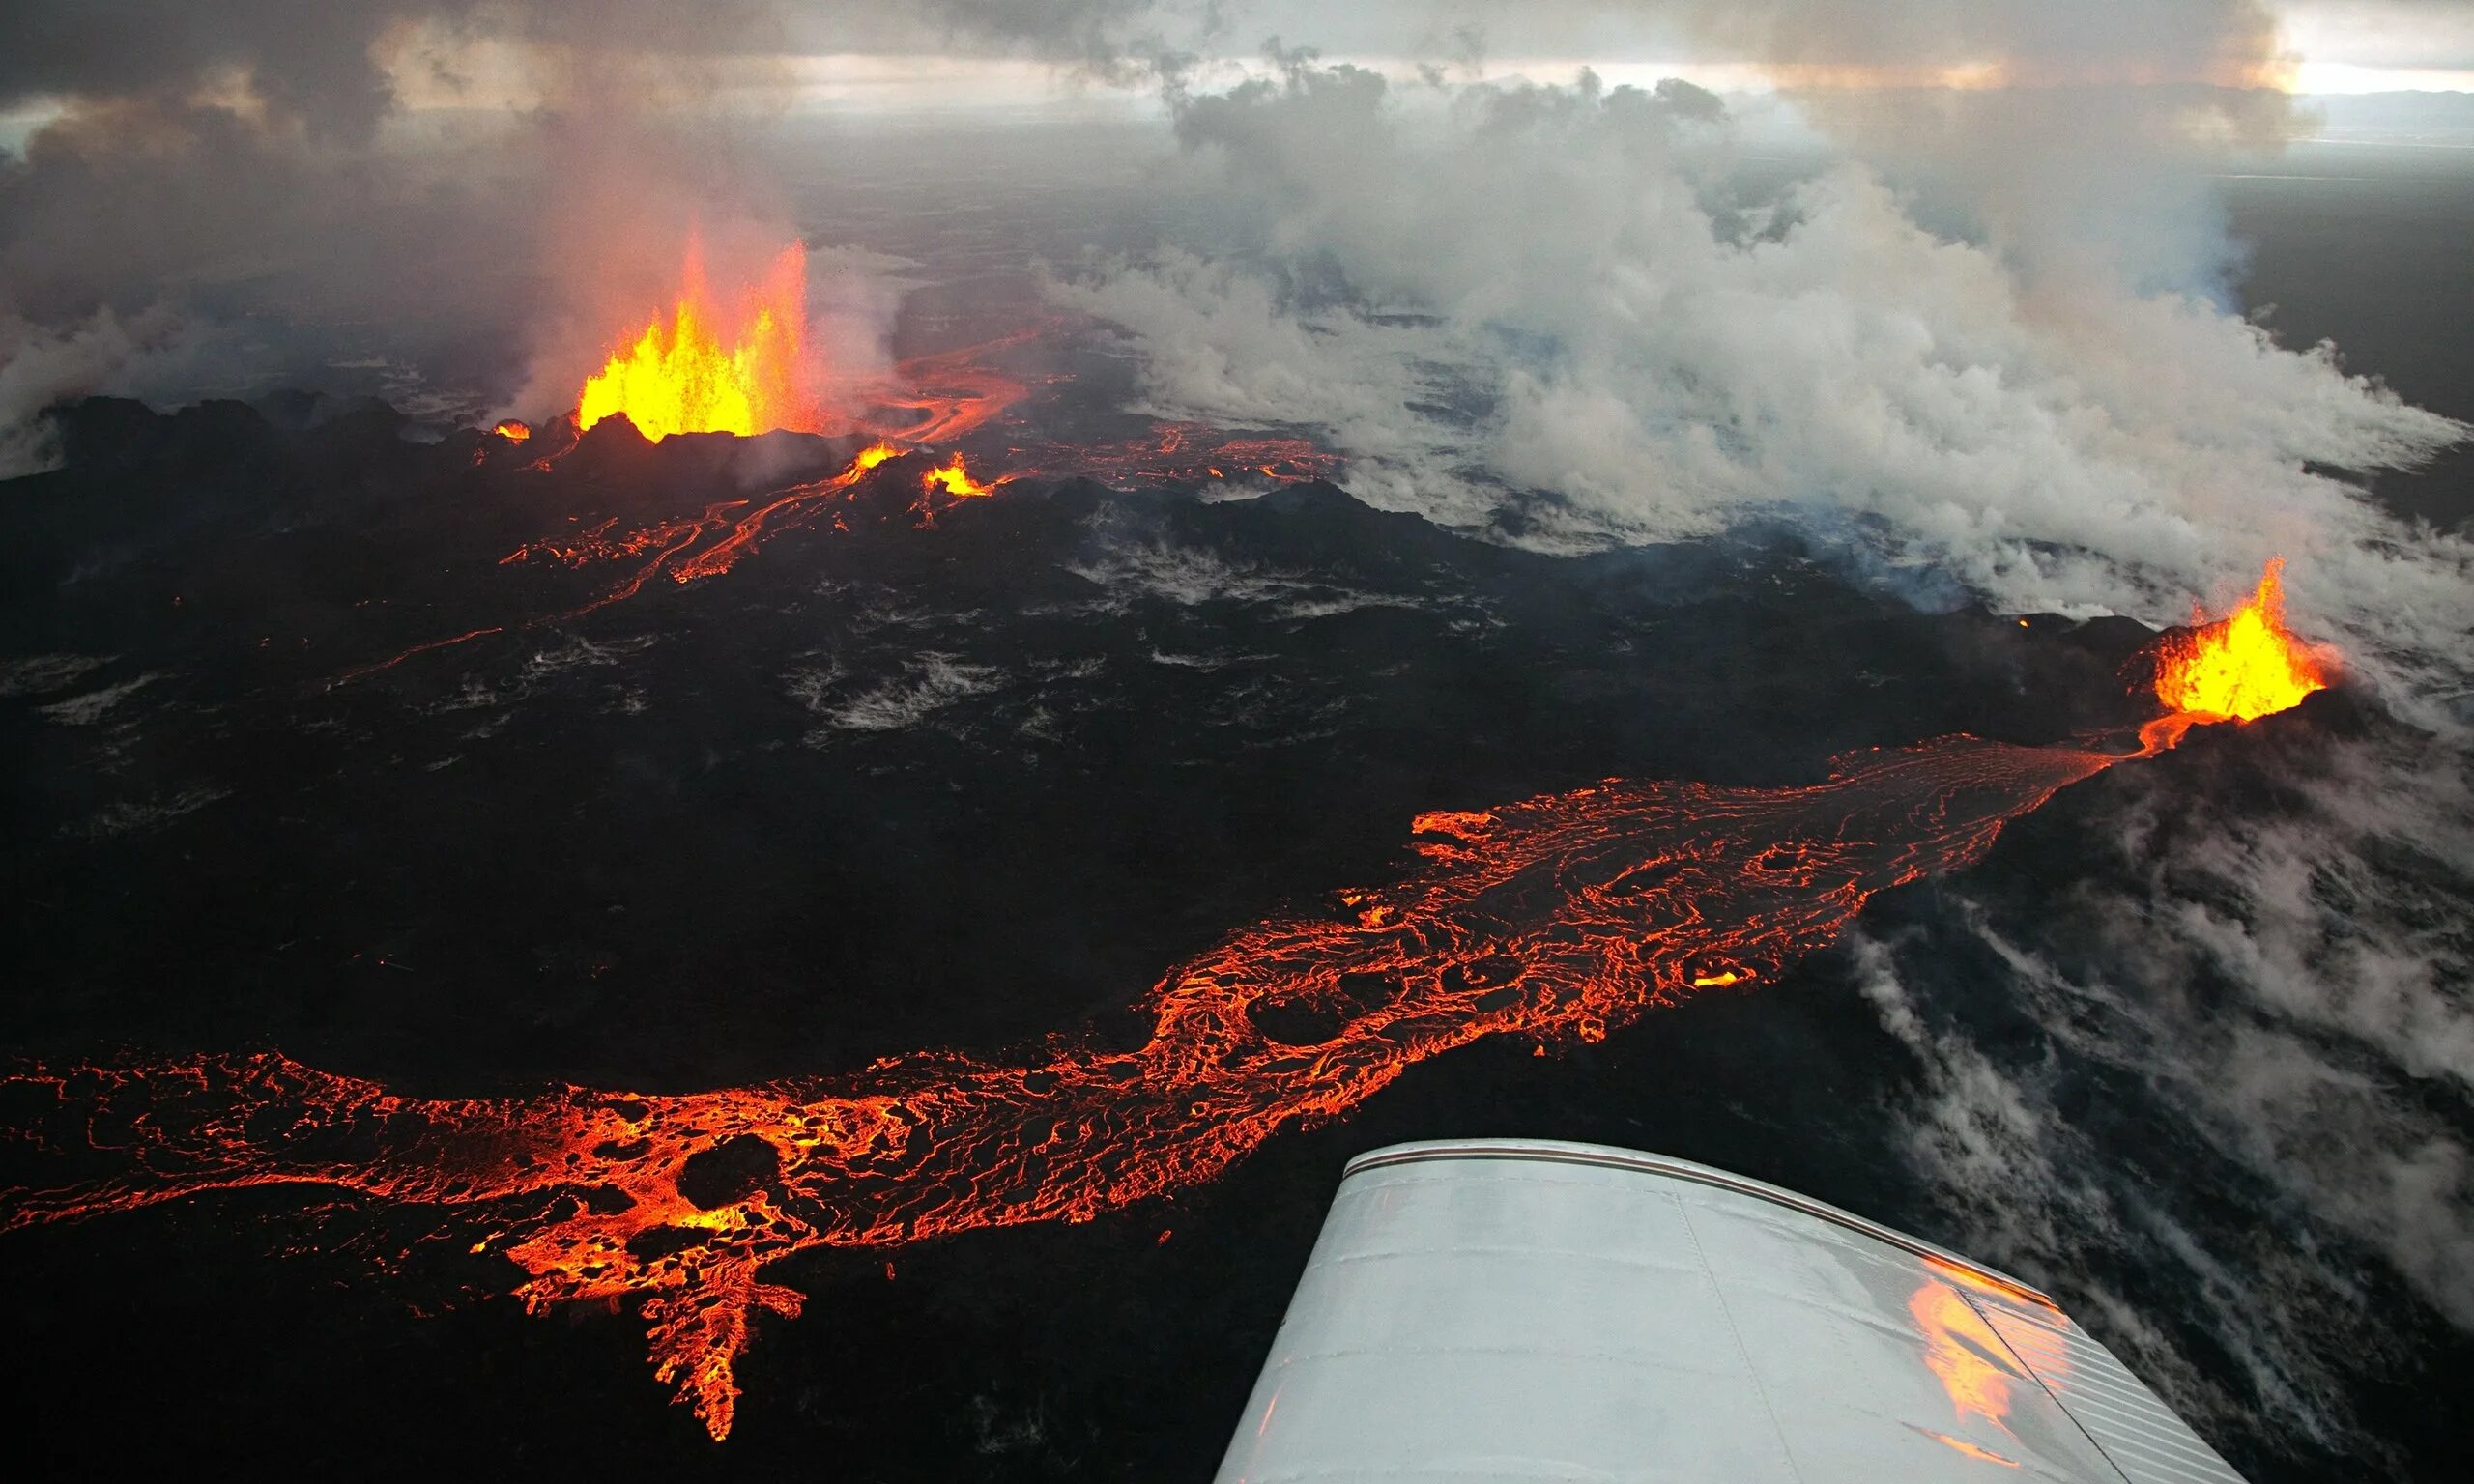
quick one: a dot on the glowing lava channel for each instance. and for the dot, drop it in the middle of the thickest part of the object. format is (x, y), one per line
(1557, 919)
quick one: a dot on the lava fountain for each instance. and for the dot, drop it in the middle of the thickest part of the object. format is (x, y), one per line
(2240, 668)
(954, 478)
(714, 369)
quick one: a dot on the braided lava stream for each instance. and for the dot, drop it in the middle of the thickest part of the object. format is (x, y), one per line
(1558, 918)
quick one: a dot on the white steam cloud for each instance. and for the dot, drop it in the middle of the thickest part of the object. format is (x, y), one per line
(2279, 988)
(1990, 338)
(1641, 357)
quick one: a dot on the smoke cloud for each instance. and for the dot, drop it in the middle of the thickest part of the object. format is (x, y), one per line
(1987, 339)
(2274, 990)
(1543, 310)
(1990, 339)
(243, 174)
(252, 175)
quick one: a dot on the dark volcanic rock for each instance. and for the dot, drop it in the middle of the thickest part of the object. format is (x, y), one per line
(729, 1171)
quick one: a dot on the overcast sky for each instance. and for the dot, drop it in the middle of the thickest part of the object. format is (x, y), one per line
(341, 63)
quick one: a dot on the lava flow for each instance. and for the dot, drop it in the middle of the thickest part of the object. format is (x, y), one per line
(1186, 453)
(1556, 919)
(742, 372)
(1180, 452)
(945, 394)
(685, 379)
(669, 547)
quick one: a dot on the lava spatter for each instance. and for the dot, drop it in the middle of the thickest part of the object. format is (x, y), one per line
(712, 368)
(1558, 918)
(2240, 668)
(955, 480)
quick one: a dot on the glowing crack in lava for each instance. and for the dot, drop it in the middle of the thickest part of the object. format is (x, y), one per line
(1179, 453)
(1186, 453)
(741, 372)
(1556, 919)
(668, 547)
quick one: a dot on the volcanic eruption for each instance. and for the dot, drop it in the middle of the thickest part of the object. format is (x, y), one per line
(2243, 666)
(706, 366)
(1558, 918)
(2238, 668)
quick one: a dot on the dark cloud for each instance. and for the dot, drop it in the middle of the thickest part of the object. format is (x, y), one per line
(311, 60)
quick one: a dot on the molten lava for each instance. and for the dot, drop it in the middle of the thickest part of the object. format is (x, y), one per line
(670, 546)
(2245, 665)
(954, 479)
(739, 371)
(512, 431)
(1555, 919)
(946, 394)
(1186, 453)
(2242, 666)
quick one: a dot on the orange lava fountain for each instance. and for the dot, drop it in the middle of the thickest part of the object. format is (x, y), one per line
(742, 372)
(2242, 666)
(1555, 919)
(954, 479)
(2245, 665)
(514, 431)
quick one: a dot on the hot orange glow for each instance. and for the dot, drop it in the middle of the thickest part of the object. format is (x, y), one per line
(1968, 1449)
(1179, 453)
(670, 545)
(1986, 1283)
(1964, 1352)
(1184, 453)
(1554, 919)
(945, 394)
(728, 530)
(781, 508)
(954, 479)
(2244, 666)
(512, 431)
(667, 547)
(741, 370)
